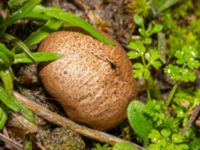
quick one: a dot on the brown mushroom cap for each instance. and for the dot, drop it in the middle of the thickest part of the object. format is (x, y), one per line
(92, 81)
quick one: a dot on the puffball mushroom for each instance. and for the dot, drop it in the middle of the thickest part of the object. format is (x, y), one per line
(92, 81)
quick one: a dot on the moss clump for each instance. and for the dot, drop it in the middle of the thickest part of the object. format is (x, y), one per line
(63, 139)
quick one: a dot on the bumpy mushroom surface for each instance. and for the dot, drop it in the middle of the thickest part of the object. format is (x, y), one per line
(92, 81)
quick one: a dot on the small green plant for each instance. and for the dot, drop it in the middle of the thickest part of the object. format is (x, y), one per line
(162, 123)
(165, 140)
(149, 57)
(123, 146)
(117, 146)
(102, 147)
(139, 7)
(183, 71)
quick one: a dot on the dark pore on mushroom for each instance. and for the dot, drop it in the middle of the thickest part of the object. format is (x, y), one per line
(92, 81)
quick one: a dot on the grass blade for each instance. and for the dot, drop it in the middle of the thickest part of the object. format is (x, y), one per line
(7, 79)
(4, 60)
(3, 116)
(6, 55)
(164, 4)
(72, 19)
(20, 44)
(37, 36)
(14, 105)
(38, 57)
(8, 100)
(20, 13)
(6, 51)
(13, 4)
(26, 112)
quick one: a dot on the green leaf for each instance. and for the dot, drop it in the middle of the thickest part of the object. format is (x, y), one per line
(147, 40)
(19, 43)
(154, 147)
(138, 20)
(7, 79)
(141, 71)
(41, 33)
(3, 116)
(188, 56)
(4, 60)
(180, 74)
(26, 112)
(195, 144)
(154, 136)
(38, 57)
(147, 73)
(37, 13)
(163, 4)
(73, 20)
(138, 70)
(166, 133)
(139, 123)
(133, 54)
(6, 56)
(123, 146)
(162, 47)
(137, 46)
(13, 4)
(177, 138)
(143, 32)
(14, 105)
(20, 13)
(155, 29)
(8, 100)
(101, 147)
(152, 56)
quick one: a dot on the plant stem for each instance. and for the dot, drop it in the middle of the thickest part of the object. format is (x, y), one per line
(148, 81)
(149, 85)
(171, 94)
(148, 90)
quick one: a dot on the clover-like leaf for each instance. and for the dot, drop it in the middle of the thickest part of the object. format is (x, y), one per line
(156, 28)
(152, 56)
(138, 70)
(177, 138)
(165, 133)
(133, 54)
(137, 46)
(188, 56)
(138, 20)
(180, 74)
(154, 136)
(123, 146)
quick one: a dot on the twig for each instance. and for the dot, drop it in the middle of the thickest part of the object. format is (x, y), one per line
(20, 122)
(62, 121)
(81, 5)
(40, 146)
(9, 141)
(192, 118)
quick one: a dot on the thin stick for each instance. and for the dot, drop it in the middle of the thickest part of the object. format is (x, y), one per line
(62, 121)
(9, 141)
(192, 118)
